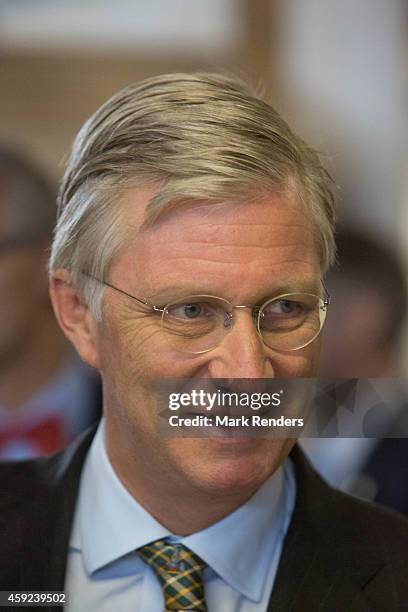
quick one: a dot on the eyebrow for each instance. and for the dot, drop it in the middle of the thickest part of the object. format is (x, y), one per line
(172, 293)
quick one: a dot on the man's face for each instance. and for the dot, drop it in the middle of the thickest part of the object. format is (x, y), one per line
(242, 252)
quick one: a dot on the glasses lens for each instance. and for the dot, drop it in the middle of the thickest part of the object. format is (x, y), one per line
(196, 323)
(291, 321)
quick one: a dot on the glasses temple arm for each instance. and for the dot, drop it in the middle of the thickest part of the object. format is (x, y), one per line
(98, 280)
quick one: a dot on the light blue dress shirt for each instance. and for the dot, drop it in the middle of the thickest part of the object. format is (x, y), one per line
(242, 551)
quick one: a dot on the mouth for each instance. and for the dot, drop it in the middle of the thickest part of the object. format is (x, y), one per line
(223, 409)
(219, 425)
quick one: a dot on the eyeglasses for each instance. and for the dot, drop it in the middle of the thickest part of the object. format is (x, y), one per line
(198, 323)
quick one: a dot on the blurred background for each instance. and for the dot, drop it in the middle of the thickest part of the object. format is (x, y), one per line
(337, 71)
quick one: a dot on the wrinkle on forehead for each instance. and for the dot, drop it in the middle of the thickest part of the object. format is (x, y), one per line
(233, 236)
(233, 224)
(136, 201)
(255, 241)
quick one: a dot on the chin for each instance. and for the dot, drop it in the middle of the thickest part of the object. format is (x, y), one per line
(236, 468)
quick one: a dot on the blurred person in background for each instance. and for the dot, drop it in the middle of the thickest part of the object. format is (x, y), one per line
(47, 395)
(362, 340)
(368, 314)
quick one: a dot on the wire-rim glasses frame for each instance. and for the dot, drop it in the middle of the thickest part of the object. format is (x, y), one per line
(257, 313)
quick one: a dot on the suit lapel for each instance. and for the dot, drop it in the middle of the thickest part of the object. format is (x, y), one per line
(67, 479)
(316, 571)
(52, 515)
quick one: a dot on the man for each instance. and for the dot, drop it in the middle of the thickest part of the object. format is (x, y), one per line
(182, 188)
(47, 395)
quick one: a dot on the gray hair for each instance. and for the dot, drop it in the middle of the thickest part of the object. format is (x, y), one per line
(205, 137)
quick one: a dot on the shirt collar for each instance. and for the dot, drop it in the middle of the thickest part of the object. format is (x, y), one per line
(240, 547)
(109, 524)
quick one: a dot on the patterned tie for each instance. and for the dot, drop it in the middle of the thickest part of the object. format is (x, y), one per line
(179, 571)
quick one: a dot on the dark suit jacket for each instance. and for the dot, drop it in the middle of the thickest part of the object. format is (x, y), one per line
(388, 467)
(340, 554)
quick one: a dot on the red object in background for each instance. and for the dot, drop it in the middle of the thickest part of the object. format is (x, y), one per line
(44, 438)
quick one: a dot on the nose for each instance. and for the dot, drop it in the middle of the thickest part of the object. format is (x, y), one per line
(241, 354)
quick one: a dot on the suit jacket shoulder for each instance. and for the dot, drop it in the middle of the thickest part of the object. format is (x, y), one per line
(339, 553)
(37, 505)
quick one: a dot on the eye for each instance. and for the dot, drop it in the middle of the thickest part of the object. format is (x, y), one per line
(191, 311)
(286, 314)
(284, 307)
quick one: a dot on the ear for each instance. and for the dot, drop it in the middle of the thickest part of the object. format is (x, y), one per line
(74, 317)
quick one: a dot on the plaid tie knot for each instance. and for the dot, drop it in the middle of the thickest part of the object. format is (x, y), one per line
(179, 571)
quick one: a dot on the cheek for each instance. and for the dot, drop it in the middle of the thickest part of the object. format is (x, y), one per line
(303, 363)
(132, 356)
(147, 353)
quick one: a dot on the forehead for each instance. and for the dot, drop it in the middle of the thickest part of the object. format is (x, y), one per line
(267, 242)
